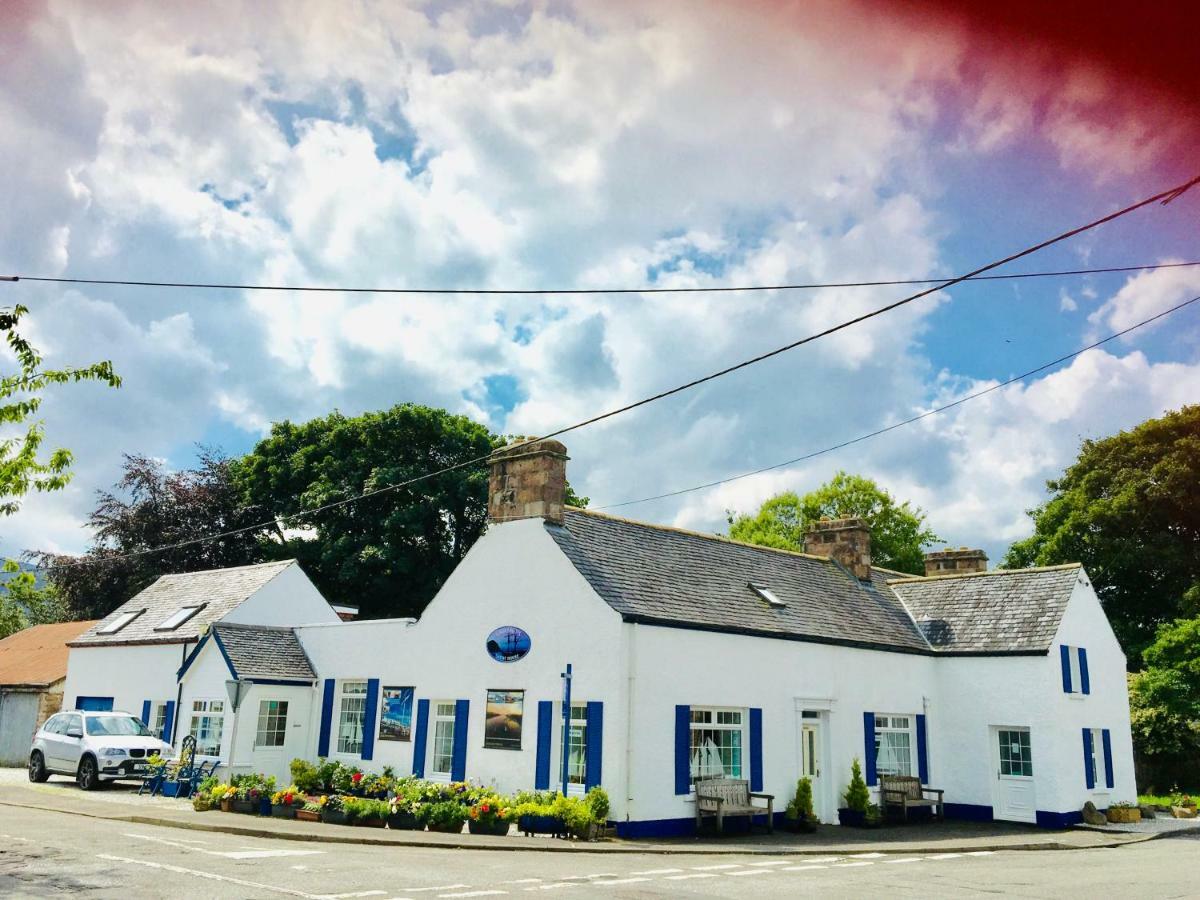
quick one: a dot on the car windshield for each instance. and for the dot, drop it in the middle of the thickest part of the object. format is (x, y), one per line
(119, 725)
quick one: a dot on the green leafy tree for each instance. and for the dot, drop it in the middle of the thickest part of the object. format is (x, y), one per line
(22, 467)
(898, 530)
(23, 602)
(388, 553)
(1129, 509)
(1164, 701)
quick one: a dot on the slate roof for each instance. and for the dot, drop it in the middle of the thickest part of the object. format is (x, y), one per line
(667, 576)
(264, 652)
(1003, 611)
(221, 590)
(37, 656)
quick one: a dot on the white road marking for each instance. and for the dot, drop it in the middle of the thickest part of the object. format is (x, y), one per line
(746, 872)
(588, 877)
(353, 894)
(657, 872)
(775, 862)
(694, 875)
(239, 854)
(552, 886)
(212, 876)
(621, 881)
(944, 856)
(867, 855)
(520, 881)
(980, 852)
(720, 866)
(802, 868)
(475, 894)
(818, 859)
(907, 859)
(851, 865)
(440, 887)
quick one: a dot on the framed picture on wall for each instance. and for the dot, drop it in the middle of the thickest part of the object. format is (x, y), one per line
(395, 723)
(505, 710)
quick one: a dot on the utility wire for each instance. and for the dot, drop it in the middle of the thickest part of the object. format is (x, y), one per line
(544, 292)
(1163, 196)
(932, 412)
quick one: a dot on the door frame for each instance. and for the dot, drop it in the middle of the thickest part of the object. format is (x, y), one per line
(823, 801)
(997, 779)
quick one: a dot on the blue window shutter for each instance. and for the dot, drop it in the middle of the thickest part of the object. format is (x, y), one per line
(370, 717)
(1064, 653)
(458, 761)
(756, 775)
(1108, 772)
(168, 721)
(1089, 773)
(146, 713)
(683, 749)
(545, 726)
(1085, 683)
(922, 751)
(595, 744)
(419, 739)
(326, 719)
(869, 748)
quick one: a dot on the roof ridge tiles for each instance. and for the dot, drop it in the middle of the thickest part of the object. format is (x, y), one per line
(925, 579)
(261, 565)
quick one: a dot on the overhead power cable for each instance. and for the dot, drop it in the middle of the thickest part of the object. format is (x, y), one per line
(545, 292)
(932, 412)
(1163, 196)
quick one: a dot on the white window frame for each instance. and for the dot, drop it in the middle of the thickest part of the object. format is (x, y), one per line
(181, 615)
(444, 713)
(714, 724)
(271, 723)
(1076, 671)
(890, 727)
(120, 622)
(350, 691)
(577, 730)
(158, 715)
(1099, 770)
(207, 708)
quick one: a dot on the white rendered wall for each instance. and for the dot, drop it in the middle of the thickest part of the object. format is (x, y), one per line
(514, 575)
(287, 599)
(129, 674)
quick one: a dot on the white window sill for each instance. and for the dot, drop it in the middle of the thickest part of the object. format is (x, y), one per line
(1077, 696)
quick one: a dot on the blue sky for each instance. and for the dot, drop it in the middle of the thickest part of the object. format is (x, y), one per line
(586, 146)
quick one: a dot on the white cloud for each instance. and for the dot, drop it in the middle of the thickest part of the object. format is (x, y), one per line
(1144, 295)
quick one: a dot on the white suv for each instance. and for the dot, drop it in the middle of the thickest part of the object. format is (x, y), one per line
(93, 747)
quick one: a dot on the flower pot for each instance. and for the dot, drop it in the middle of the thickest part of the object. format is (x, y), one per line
(542, 825)
(1183, 812)
(308, 815)
(245, 806)
(590, 832)
(283, 811)
(371, 823)
(169, 789)
(226, 804)
(496, 827)
(333, 816)
(1122, 815)
(404, 821)
(446, 829)
(263, 806)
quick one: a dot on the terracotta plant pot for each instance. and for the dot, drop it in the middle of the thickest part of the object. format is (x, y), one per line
(308, 815)
(226, 804)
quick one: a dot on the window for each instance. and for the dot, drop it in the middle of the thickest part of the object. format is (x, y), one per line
(716, 743)
(177, 618)
(116, 726)
(71, 723)
(577, 745)
(1099, 771)
(159, 718)
(443, 738)
(208, 726)
(893, 745)
(1016, 757)
(119, 622)
(55, 725)
(272, 723)
(351, 714)
(767, 594)
(1075, 670)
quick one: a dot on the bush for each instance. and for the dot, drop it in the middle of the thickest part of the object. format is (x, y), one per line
(446, 815)
(597, 799)
(305, 776)
(801, 806)
(857, 797)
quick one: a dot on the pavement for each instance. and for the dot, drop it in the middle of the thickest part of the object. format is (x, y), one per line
(120, 803)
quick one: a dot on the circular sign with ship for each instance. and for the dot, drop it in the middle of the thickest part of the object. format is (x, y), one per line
(508, 643)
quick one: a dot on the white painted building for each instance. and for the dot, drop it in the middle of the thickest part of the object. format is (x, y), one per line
(692, 655)
(130, 660)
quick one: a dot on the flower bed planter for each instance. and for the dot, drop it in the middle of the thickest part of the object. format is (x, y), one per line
(542, 825)
(1183, 812)
(405, 822)
(308, 815)
(245, 806)
(283, 811)
(333, 817)
(498, 827)
(371, 823)
(1123, 815)
(446, 829)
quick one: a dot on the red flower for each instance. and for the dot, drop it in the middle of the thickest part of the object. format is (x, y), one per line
(356, 777)
(484, 808)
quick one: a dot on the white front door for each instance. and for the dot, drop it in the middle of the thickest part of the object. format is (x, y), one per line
(1012, 756)
(810, 761)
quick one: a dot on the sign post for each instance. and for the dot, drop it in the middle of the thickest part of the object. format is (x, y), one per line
(566, 727)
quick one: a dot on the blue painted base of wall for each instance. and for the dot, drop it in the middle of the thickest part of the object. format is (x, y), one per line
(659, 828)
(969, 812)
(1057, 819)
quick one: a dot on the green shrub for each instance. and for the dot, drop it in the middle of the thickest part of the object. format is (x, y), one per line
(801, 805)
(446, 815)
(305, 776)
(326, 769)
(857, 797)
(597, 799)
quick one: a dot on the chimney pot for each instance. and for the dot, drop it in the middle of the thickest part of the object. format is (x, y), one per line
(527, 481)
(846, 540)
(955, 562)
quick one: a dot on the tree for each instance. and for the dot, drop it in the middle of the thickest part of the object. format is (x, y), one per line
(1129, 509)
(1164, 701)
(388, 553)
(21, 468)
(151, 508)
(23, 602)
(898, 530)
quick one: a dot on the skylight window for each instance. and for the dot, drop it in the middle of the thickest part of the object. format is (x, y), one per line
(177, 618)
(120, 622)
(767, 594)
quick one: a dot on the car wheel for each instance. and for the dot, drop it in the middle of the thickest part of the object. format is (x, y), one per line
(37, 767)
(89, 776)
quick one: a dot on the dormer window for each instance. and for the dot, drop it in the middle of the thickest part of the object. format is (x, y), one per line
(119, 622)
(177, 618)
(765, 593)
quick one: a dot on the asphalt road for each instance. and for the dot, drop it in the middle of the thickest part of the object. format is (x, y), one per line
(47, 854)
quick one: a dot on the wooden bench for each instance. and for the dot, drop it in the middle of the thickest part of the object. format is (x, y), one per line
(906, 792)
(723, 797)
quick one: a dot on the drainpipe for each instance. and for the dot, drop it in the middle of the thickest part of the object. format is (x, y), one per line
(630, 679)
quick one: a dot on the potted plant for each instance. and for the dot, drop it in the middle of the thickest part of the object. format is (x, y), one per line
(856, 802)
(487, 816)
(1123, 813)
(222, 795)
(536, 815)
(305, 776)
(333, 811)
(447, 817)
(1183, 806)
(245, 795)
(405, 810)
(798, 817)
(309, 812)
(202, 801)
(284, 802)
(372, 813)
(597, 800)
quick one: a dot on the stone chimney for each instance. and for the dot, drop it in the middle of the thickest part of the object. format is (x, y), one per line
(846, 540)
(528, 481)
(955, 562)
